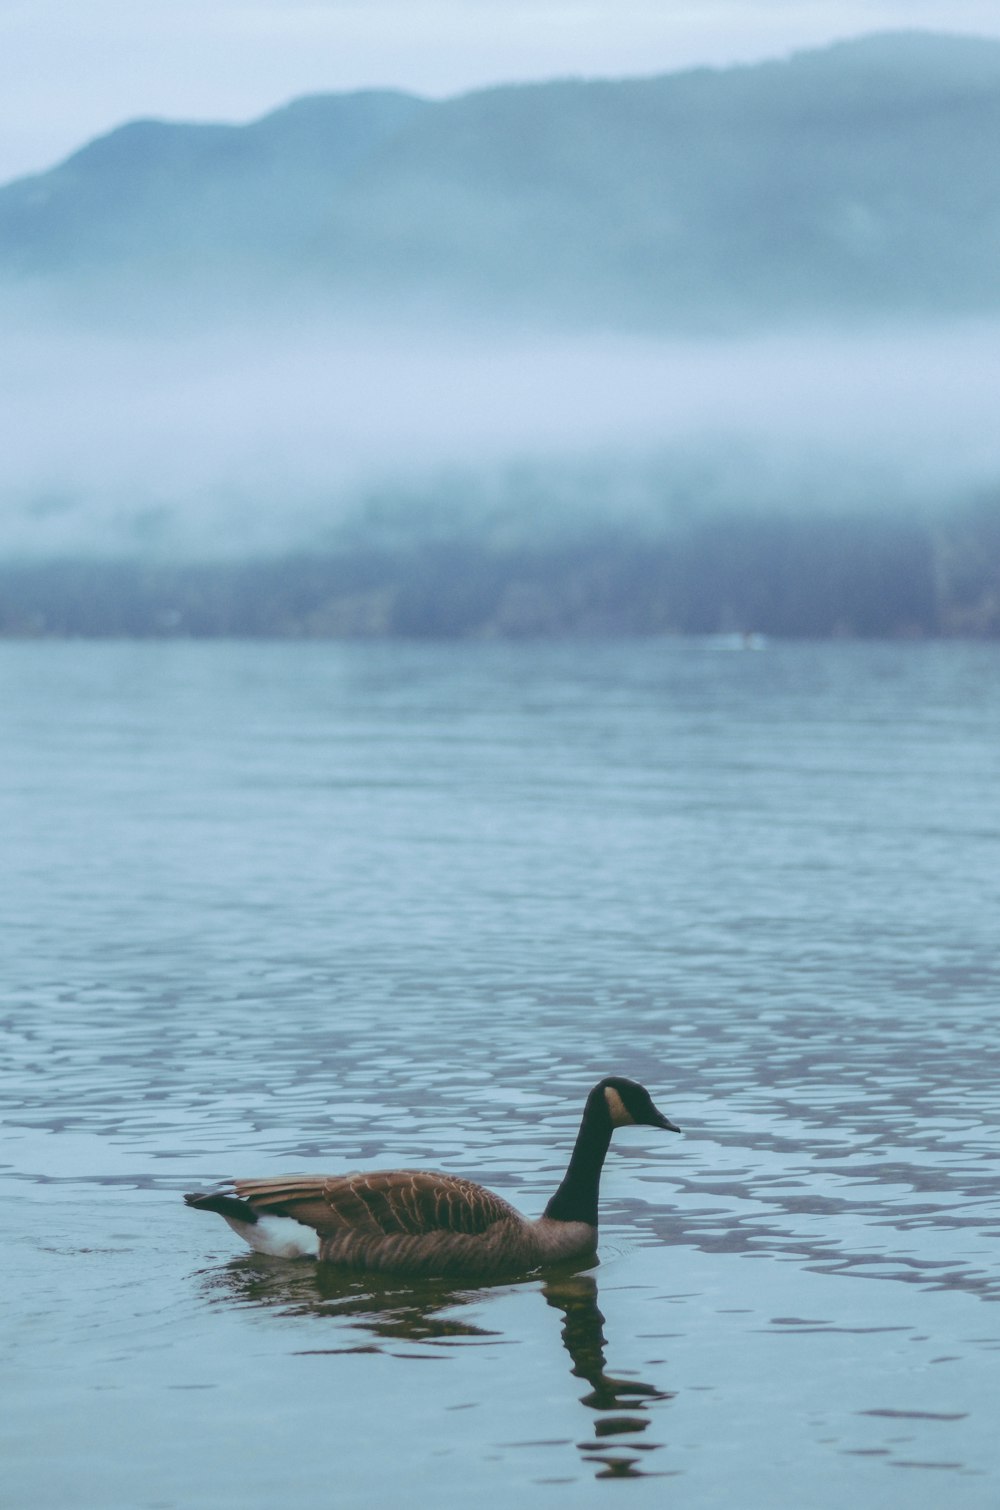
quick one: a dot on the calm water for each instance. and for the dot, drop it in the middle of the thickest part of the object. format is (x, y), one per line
(277, 907)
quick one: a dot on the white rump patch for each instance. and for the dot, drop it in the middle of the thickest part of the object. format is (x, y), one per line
(278, 1237)
(620, 1115)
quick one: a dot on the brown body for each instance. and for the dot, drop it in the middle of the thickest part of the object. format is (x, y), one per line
(416, 1221)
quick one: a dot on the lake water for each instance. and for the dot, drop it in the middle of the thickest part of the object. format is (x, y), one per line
(272, 907)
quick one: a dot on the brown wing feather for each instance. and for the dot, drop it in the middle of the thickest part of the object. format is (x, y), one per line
(386, 1202)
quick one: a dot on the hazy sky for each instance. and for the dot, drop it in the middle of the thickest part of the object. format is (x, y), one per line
(71, 69)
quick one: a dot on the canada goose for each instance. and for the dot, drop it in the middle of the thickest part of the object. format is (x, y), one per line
(412, 1222)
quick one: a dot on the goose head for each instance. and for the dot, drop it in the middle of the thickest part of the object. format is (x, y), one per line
(629, 1104)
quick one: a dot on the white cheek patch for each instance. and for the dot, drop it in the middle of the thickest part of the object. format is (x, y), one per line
(620, 1115)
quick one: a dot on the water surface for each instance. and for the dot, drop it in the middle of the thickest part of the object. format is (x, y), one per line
(272, 907)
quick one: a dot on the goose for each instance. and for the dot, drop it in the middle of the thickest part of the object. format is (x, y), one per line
(419, 1223)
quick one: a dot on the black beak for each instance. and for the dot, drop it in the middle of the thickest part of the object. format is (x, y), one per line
(659, 1120)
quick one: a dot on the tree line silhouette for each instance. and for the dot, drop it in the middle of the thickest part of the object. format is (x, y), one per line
(825, 575)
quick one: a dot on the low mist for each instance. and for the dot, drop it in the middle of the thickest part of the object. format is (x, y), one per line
(242, 444)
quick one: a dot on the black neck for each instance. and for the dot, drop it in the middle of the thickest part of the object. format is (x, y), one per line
(576, 1198)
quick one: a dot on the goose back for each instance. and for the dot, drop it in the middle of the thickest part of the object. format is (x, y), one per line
(383, 1203)
(412, 1221)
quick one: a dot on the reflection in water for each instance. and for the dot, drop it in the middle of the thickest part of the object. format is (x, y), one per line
(583, 1335)
(387, 1309)
(390, 1312)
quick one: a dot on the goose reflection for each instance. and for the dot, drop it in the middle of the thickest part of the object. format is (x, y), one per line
(621, 1404)
(387, 1316)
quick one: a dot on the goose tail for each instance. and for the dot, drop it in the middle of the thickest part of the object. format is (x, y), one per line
(225, 1205)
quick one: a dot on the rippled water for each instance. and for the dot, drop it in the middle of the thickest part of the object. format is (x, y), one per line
(272, 907)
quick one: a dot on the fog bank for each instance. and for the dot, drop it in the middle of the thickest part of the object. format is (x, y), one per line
(240, 444)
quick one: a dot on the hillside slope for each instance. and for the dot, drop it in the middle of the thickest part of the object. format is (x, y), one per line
(860, 181)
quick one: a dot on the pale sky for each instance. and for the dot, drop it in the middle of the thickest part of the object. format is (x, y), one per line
(72, 69)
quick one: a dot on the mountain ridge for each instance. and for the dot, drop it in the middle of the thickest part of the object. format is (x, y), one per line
(858, 181)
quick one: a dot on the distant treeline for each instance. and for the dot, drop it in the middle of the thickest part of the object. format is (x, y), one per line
(811, 577)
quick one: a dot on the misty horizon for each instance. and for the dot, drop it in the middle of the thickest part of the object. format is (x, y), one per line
(227, 446)
(520, 320)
